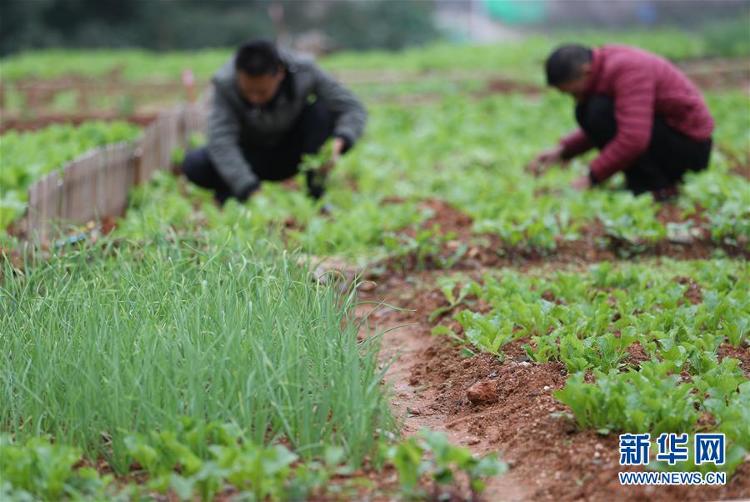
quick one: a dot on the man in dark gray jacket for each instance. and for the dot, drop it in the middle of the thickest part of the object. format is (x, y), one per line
(271, 107)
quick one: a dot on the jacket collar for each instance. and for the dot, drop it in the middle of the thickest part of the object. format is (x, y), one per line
(597, 65)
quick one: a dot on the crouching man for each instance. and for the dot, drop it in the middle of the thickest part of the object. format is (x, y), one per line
(642, 113)
(271, 107)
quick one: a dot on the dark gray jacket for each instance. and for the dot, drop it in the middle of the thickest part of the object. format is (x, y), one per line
(232, 123)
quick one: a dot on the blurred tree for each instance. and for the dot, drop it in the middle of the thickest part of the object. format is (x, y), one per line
(379, 23)
(21, 25)
(192, 24)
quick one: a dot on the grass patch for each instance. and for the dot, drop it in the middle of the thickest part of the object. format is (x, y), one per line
(101, 343)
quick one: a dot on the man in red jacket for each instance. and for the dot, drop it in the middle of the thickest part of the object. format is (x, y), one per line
(643, 115)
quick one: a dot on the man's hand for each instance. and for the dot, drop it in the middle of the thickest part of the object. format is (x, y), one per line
(545, 159)
(336, 149)
(248, 191)
(581, 183)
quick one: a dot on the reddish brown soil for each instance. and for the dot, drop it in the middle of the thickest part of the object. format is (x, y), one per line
(671, 213)
(742, 170)
(39, 95)
(741, 353)
(693, 292)
(716, 74)
(740, 164)
(491, 405)
(594, 244)
(38, 122)
(447, 218)
(500, 85)
(108, 225)
(636, 355)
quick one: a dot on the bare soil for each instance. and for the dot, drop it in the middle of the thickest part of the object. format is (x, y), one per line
(593, 245)
(718, 73)
(41, 121)
(742, 353)
(499, 85)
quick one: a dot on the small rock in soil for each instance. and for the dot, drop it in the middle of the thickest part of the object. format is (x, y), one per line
(368, 286)
(482, 392)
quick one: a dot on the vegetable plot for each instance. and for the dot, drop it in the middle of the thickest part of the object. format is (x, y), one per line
(470, 153)
(154, 339)
(643, 347)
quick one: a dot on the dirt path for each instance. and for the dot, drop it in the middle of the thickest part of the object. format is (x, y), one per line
(417, 405)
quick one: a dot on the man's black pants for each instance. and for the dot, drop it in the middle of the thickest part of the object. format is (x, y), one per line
(311, 130)
(670, 153)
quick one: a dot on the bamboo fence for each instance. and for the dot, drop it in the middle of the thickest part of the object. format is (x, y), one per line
(96, 185)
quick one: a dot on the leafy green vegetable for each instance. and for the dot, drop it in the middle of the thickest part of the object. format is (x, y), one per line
(39, 469)
(590, 322)
(431, 455)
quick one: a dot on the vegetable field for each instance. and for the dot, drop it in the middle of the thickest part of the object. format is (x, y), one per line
(450, 328)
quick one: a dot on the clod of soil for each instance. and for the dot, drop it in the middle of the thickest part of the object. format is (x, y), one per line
(693, 293)
(506, 86)
(636, 355)
(742, 353)
(482, 392)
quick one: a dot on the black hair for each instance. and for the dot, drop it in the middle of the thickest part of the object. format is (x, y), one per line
(257, 57)
(564, 63)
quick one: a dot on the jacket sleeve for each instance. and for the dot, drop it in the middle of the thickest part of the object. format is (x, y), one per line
(575, 143)
(224, 147)
(350, 113)
(634, 95)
